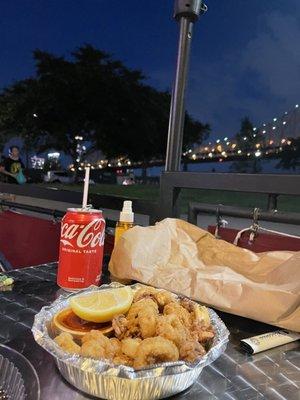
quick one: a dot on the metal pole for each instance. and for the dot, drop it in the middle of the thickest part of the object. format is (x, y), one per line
(186, 12)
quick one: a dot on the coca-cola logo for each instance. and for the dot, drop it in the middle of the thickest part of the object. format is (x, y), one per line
(91, 235)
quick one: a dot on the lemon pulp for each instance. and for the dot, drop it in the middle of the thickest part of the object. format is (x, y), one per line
(102, 306)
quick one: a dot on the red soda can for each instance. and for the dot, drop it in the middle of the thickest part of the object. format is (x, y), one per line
(81, 249)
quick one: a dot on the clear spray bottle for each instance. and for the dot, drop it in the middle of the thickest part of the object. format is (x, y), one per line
(126, 220)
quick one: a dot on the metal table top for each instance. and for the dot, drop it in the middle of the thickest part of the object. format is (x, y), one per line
(273, 374)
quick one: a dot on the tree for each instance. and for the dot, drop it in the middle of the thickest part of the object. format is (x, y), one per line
(95, 96)
(248, 140)
(290, 155)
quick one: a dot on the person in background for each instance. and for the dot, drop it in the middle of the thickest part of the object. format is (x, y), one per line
(12, 166)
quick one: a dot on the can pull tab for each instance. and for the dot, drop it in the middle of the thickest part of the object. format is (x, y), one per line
(87, 207)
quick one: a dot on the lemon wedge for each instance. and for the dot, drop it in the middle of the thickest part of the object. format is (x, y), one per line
(102, 306)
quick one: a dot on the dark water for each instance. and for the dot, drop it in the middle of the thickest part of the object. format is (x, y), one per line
(268, 167)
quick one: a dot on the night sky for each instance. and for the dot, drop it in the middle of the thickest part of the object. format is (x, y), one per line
(245, 54)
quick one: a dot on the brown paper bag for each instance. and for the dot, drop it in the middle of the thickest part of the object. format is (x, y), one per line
(185, 259)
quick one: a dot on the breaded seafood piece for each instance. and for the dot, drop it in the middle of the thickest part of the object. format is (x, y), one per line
(66, 342)
(129, 346)
(155, 350)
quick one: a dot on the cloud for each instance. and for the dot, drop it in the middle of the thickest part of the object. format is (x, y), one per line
(274, 55)
(260, 80)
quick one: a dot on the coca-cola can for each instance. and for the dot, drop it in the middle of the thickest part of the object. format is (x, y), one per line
(81, 249)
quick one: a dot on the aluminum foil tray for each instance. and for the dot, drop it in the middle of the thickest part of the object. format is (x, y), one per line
(107, 381)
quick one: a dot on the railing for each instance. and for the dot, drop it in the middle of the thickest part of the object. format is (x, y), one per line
(171, 184)
(270, 185)
(67, 196)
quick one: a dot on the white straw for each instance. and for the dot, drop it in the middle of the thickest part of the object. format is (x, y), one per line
(86, 187)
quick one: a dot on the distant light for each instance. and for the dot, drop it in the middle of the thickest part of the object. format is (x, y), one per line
(225, 139)
(254, 128)
(271, 141)
(92, 167)
(119, 164)
(220, 159)
(88, 164)
(218, 140)
(264, 124)
(223, 153)
(257, 153)
(284, 122)
(289, 142)
(285, 112)
(257, 145)
(128, 162)
(263, 131)
(206, 148)
(77, 159)
(190, 150)
(83, 148)
(233, 146)
(283, 141)
(274, 119)
(254, 134)
(248, 154)
(297, 105)
(210, 155)
(245, 138)
(72, 169)
(100, 166)
(267, 152)
(219, 148)
(109, 164)
(280, 148)
(239, 151)
(228, 143)
(194, 156)
(273, 127)
(34, 115)
(54, 155)
(79, 168)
